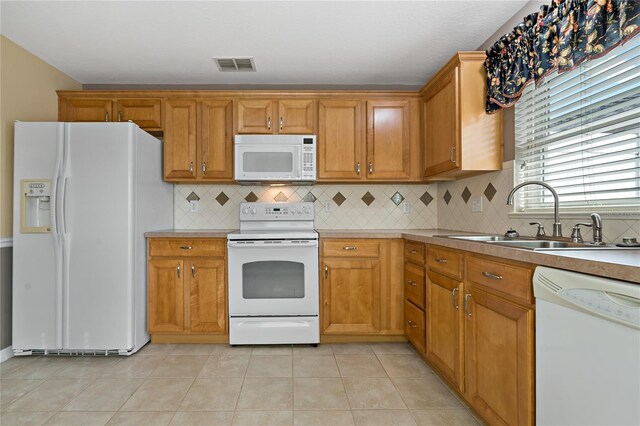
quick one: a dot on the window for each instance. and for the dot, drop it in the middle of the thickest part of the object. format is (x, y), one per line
(579, 132)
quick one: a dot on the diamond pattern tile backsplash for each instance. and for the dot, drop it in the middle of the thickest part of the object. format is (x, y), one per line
(350, 206)
(454, 210)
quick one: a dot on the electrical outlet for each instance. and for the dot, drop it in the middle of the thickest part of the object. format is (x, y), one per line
(327, 206)
(476, 204)
(193, 206)
(406, 208)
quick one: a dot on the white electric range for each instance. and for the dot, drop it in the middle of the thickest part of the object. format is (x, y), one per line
(273, 275)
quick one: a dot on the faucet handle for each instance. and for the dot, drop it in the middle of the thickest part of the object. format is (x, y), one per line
(576, 237)
(511, 233)
(540, 232)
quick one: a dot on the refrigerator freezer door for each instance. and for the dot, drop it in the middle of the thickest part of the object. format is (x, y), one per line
(37, 258)
(98, 220)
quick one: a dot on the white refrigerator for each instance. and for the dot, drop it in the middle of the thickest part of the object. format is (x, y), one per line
(84, 195)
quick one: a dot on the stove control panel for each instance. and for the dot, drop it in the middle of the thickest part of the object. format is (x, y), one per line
(276, 211)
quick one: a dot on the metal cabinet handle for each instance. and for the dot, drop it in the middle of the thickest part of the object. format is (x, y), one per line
(204, 168)
(452, 154)
(370, 167)
(349, 248)
(466, 304)
(186, 247)
(413, 251)
(191, 167)
(412, 283)
(106, 116)
(358, 168)
(412, 324)
(193, 271)
(492, 276)
(269, 123)
(453, 298)
(326, 271)
(281, 123)
(178, 271)
(441, 260)
(119, 115)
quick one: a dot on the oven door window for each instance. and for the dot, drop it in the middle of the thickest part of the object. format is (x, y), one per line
(273, 279)
(269, 162)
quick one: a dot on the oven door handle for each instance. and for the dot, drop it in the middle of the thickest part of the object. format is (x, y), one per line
(270, 244)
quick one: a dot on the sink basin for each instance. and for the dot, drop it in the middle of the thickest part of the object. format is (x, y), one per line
(537, 244)
(481, 238)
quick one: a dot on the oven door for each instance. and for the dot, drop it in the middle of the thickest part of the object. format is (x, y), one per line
(256, 162)
(273, 277)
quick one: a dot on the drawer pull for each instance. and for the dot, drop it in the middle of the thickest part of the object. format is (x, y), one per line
(186, 247)
(453, 298)
(441, 260)
(413, 251)
(326, 272)
(492, 276)
(466, 304)
(412, 283)
(349, 248)
(412, 324)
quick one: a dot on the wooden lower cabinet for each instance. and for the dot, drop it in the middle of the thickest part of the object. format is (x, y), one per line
(187, 293)
(444, 331)
(361, 287)
(499, 348)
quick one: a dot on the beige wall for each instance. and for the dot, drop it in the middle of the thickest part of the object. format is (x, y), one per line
(27, 93)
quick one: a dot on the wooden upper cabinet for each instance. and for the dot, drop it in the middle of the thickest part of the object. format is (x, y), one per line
(166, 295)
(460, 138)
(296, 116)
(388, 140)
(440, 125)
(351, 296)
(85, 110)
(256, 116)
(499, 366)
(215, 140)
(207, 291)
(146, 113)
(340, 136)
(180, 159)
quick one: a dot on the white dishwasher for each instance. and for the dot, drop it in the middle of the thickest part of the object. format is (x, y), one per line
(587, 349)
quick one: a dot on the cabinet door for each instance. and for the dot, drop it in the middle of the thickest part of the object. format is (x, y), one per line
(296, 116)
(207, 305)
(215, 140)
(180, 139)
(388, 140)
(256, 116)
(146, 113)
(499, 358)
(86, 110)
(340, 135)
(441, 125)
(444, 332)
(166, 295)
(351, 296)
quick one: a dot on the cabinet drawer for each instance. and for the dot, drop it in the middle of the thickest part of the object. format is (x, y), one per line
(444, 261)
(414, 284)
(414, 252)
(187, 247)
(514, 281)
(414, 325)
(350, 248)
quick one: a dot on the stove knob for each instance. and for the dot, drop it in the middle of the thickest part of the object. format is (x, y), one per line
(254, 211)
(245, 210)
(307, 210)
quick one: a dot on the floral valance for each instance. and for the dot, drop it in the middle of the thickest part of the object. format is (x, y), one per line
(560, 36)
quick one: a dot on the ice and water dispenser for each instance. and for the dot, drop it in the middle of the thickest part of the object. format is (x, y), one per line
(36, 206)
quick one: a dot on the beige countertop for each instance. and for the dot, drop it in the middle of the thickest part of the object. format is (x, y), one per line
(616, 264)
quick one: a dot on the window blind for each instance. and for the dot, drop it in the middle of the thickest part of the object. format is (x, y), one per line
(579, 131)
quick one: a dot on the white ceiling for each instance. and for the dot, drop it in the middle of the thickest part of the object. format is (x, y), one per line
(293, 42)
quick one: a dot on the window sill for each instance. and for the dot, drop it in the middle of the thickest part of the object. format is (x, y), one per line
(577, 214)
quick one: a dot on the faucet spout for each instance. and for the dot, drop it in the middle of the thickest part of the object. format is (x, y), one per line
(557, 226)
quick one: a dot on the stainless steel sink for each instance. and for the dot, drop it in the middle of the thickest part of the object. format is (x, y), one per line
(530, 243)
(539, 245)
(481, 238)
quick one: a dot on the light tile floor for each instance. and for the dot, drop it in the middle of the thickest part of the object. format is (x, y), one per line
(333, 385)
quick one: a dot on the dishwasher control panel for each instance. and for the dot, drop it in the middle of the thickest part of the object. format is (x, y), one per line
(612, 305)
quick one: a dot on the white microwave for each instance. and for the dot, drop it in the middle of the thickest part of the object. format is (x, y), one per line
(275, 158)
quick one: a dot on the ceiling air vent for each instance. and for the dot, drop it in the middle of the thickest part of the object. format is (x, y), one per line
(235, 64)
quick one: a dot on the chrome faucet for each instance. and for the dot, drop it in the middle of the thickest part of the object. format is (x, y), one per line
(557, 226)
(596, 223)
